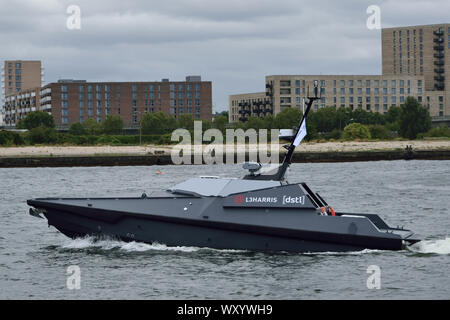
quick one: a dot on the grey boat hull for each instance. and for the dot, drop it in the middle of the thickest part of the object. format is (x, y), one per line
(205, 222)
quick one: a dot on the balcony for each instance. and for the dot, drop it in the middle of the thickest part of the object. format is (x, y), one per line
(438, 48)
(439, 55)
(439, 70)
(243, 119)
(439, 78)
(439, 86)
(438, 40)
(439, 33)
(439, 63)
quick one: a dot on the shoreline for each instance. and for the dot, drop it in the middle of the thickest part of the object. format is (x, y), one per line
(68, 156)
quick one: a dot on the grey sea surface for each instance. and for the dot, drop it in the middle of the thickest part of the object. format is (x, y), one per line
(415, 194)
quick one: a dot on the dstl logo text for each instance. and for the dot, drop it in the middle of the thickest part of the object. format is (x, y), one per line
(293, 200)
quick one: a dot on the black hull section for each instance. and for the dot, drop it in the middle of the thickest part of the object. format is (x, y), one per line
(184, 232)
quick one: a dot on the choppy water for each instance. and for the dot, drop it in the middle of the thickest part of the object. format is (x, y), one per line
(416, 194)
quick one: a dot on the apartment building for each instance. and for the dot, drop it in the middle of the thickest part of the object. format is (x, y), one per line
(19, 76)
(422, 50)
(414, 63)
(244, 105)
(18, 105)
(70, 101)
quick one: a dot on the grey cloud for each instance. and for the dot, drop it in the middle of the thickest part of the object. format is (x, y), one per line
(233, 43)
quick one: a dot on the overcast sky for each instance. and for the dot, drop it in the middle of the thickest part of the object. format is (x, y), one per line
(233, 43)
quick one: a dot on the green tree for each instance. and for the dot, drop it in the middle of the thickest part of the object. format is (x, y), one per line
(393, 114)
(377, 131)
(113, 125)
(42, 134)
(206, 124)
(77, 129)
(254, 123)
(268, 122)
(441, 131)
(92, 127)
(414, 119)
(324, 119)
(158, 123)
(356, 131)
(288, 118)
(8, 138)
(36, 119)
(185, 121)
(220, 122)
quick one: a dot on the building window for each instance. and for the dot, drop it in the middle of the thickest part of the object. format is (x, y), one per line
(376, 90)
(350, 83)
(81, 104)
(367, 90)
(63, 88)
(402, 99)
(342, 90)
(133, 87)
(350, 90)
(342, 83)
(359, 90)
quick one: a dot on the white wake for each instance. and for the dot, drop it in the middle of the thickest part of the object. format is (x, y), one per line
(110, 244)
(432, 246)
